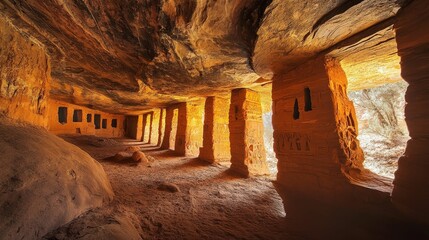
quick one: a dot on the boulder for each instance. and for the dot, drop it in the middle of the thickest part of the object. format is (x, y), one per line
(121, 156)
(139, 156)
(45, 182)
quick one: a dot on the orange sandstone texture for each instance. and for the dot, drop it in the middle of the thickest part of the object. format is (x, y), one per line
(152, 126)
(170, 128)
(82, 120)
(247, 133)
(216, 147)
(189, 136)
(173, 130)
(410, 193)
(161, 127)
(147, 127)
(25, 75)
(154, 133)
(314, 129)
(46, 182)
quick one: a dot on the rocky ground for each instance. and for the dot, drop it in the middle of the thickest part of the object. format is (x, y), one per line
(176, 198)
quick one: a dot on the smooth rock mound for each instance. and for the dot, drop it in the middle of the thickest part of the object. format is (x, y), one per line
(45, 182)
(139, 156)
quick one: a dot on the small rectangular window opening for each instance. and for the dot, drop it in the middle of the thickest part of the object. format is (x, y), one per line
(88, 117)
(307, 99)
(62, 115)
(114, 123)
(97, 121)
(296, 110)
(77, 115)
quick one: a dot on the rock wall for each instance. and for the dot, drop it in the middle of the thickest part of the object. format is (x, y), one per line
(45, 182)
(85, 123)
(247, 133)
(315, 130)
(411, 184)
(216, 147)
(189, 136)
(24, 77)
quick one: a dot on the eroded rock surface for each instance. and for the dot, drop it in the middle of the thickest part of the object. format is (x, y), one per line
(45, 182)
(136, 54)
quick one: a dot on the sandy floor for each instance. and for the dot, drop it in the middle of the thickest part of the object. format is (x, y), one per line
(212, 202)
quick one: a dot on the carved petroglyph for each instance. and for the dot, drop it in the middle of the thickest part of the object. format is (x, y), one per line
(293, 142)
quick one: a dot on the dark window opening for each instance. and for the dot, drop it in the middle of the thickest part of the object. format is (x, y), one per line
(114, 123)
(88, 117)
(307, 99)
(97, 120)
(62, 115)
(236, 112)
(77, 115)
(296, 110)
(104, 123)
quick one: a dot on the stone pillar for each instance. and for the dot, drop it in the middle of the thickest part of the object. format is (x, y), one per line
(411, 184)
(161, 127)
(189, 128)
(139, 135)
(147, 127)
(216, 146)
(154, 133)
(315, 130)
(247, 133)
(168, 128)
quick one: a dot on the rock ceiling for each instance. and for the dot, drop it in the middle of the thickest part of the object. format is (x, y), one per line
(130, 55)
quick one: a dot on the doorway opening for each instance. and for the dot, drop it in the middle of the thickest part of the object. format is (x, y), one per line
(267, 118)
(383, 133)
(377, 90)
(97, 121)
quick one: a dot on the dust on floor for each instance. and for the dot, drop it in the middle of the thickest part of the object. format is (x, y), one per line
(212, 202)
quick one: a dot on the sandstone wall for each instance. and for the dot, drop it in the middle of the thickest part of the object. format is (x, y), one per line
(247, 133)
(24, 77)
(411, 184)
(84, 127)
(216, 147)
(189, 136)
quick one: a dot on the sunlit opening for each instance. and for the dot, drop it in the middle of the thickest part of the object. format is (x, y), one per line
(378, 91)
